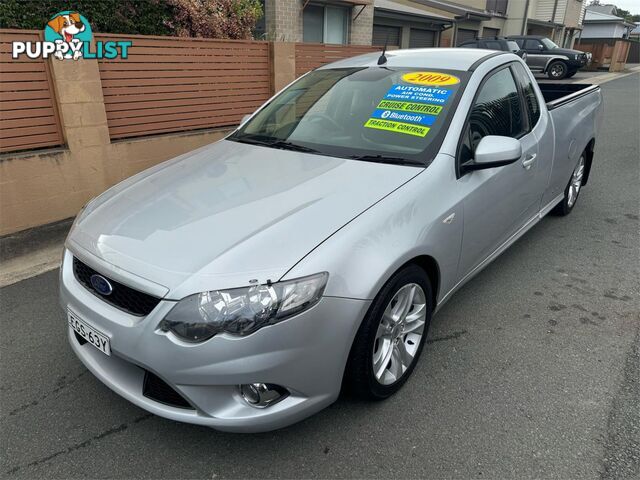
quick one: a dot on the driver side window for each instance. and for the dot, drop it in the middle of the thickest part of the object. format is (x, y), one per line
(496, 111)
(532, 46)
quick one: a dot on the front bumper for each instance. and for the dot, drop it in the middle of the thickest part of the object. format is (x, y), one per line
(305, 354)
(578, 63)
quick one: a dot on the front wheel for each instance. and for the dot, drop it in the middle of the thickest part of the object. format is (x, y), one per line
(571, 191)
(557, 70)
(390, 339)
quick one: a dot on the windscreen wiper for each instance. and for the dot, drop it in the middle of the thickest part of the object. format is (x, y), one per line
(284, 145)
(273, 143)
(386, 159)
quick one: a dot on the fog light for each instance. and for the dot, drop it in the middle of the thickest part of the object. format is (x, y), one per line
(262, 395)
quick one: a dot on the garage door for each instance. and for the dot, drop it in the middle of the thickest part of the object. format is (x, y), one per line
(419, 38)
(382, 32)
(490, 32)
(465, 35)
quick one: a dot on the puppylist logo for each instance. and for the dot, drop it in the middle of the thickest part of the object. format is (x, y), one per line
(67, 35)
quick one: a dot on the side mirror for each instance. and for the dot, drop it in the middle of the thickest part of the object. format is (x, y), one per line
(540, 47)
(494, 151)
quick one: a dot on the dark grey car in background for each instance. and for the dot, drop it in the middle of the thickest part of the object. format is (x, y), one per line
(496, 43)
(544, 56)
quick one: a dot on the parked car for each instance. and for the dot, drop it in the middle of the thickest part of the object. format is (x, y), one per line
(544, 56)
(496, 43)
(242, 285)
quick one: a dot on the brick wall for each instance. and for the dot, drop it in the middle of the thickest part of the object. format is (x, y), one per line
(361, 27)
(283, 20)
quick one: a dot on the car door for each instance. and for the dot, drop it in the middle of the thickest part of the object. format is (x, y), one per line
(536, 56)
(497, 201)
(540, 126)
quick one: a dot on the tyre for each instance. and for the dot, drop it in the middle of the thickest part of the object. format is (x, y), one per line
(571, 73)
(391, 337)
(557, 70)
(572, 190)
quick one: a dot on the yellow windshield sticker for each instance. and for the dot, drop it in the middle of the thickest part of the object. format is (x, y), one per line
(410, 107)
(430, 78)
(400, 127)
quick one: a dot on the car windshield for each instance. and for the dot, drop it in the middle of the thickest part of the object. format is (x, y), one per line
(548, 43)
(393, 115)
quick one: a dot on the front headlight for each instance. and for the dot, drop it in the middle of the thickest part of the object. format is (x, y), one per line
(241, 311)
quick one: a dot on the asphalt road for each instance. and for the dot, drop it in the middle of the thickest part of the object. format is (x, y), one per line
(531, 370)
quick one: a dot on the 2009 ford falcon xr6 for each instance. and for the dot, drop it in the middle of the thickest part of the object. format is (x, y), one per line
(244, 284)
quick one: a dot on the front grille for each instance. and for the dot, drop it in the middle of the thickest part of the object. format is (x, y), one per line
(125, 298)
(156, 389)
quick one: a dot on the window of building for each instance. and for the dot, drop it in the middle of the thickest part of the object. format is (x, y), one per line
(325, 24)
(497, 6)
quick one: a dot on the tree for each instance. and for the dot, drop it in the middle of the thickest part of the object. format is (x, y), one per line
(214, 18)
(189, 18)
(627, 15)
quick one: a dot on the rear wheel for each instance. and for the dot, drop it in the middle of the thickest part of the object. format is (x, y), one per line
(572, 190)
(557, 70)
(390, 339)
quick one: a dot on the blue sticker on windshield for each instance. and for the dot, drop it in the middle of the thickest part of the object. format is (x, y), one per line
(410, 110)
(407, 117)
(434, 95)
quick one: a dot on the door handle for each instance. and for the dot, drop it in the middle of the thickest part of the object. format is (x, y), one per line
(528, 161)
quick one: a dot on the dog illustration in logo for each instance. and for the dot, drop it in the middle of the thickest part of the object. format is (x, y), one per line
(67, 26)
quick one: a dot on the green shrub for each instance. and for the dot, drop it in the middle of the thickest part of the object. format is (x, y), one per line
(144, 17)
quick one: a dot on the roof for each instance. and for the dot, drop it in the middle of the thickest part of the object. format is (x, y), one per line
(635, 31)
(428, 58)
(460, 11)
(395, 7)
(597, 17)
(606, 9)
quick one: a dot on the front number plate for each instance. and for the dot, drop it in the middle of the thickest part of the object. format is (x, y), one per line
(90, 334)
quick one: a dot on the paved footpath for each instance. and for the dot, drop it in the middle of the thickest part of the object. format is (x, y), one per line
(532, 370)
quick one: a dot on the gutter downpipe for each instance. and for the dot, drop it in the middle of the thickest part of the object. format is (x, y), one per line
(525, 18)
(553, 20)
(442, 29)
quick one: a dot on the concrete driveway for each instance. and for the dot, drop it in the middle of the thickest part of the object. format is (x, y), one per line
(532, 370)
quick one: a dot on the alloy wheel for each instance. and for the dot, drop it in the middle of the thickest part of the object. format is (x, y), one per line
(557, 70)
(399, 334)
(576, 183)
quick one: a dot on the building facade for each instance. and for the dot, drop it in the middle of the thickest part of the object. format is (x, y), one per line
(604, 25)
(419, 23)
(344, 22)
(407, 25)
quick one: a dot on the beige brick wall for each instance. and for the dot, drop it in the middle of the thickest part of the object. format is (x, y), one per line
(283, 20)
(361, 31)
